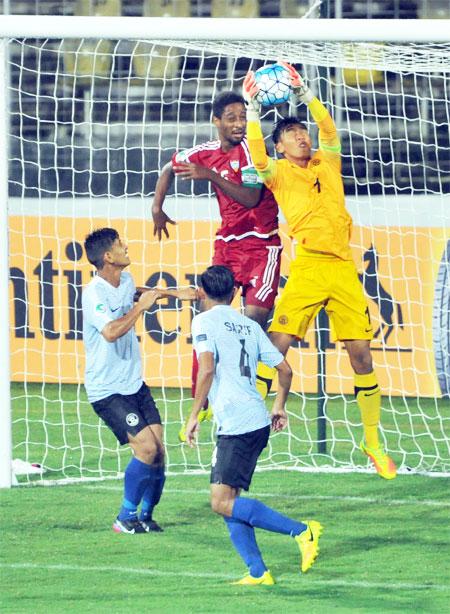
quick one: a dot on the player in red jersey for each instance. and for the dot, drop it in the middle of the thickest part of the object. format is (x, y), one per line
(247, 240)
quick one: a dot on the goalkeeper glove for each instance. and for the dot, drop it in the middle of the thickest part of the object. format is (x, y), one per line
(299, 87)
(250, 90)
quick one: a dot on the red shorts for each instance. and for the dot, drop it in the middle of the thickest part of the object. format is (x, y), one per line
(256, 267)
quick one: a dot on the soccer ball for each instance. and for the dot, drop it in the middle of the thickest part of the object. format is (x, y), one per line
(274, 84)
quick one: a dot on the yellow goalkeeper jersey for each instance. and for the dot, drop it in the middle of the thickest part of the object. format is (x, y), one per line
(312, 199)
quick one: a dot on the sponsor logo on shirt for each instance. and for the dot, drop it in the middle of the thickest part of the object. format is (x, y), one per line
(132, 419)
(202, 337)
(100, 307)
(283, 320)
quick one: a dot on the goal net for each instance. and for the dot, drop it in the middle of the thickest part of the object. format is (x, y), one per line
(91, 124)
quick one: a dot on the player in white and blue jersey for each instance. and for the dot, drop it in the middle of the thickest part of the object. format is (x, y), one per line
(229, 346)
(113, 378)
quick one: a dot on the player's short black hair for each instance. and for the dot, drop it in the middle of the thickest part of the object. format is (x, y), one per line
(283, 125)
(98, 243)
(222, 100)
(218, 282)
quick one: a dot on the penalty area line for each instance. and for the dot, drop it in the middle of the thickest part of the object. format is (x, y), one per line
(221, 577)
(347, 498)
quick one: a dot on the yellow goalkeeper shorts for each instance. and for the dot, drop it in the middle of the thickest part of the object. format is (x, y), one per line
(323, 282)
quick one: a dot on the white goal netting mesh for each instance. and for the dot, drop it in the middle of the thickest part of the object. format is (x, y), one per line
(92, 122)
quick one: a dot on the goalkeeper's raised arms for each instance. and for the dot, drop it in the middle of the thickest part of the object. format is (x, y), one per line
(250, 90)
(299, 87)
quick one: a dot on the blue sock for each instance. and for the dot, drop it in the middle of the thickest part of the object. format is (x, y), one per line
(137, 476)
(256, 514)
(152, 493)
(243, 538)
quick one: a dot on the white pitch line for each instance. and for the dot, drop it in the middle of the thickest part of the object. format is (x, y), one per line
(386, 502)
(116, 569)
(221, 577)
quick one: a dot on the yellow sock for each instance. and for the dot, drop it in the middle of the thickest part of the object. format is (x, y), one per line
(264, 379)
(368, 397)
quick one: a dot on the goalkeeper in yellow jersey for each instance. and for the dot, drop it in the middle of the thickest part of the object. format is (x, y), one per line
(309, 190)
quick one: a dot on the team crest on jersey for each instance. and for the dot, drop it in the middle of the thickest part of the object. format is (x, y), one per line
(100, 308)
(283, 320)
(315, 162)
(234, 165)
(132, 419)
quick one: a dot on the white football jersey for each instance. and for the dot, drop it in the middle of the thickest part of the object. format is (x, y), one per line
(238, 344)
(111, 367)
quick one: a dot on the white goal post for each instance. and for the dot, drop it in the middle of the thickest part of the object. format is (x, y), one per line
(227, 29)
(88, 124)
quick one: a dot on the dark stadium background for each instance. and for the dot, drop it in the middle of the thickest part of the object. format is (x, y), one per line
(53, 153)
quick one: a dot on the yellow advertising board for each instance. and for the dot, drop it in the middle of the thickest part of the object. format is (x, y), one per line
(48, 269)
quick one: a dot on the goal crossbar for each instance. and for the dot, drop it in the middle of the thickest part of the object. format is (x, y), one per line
(221, 29)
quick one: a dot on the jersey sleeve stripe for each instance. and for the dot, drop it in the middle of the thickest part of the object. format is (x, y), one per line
(209, 146)
(334, 149)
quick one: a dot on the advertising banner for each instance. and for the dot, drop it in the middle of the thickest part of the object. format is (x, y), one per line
(404, 271)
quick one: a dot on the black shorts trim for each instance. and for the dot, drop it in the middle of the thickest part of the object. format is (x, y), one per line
(235, 457)
(128, 414)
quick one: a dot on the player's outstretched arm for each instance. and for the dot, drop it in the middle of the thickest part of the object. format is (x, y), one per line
(182, 294)
(328, 136)
(250, 90)
(116, 328)
(263, 163)
(279, 416)
(160, 218)
(249, 197)
(299, 87)
(205, 376)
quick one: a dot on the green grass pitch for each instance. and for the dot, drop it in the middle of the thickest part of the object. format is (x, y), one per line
(385, 546)
(384, 549)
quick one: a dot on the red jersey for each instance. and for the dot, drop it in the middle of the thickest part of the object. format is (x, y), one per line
(238, 222)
